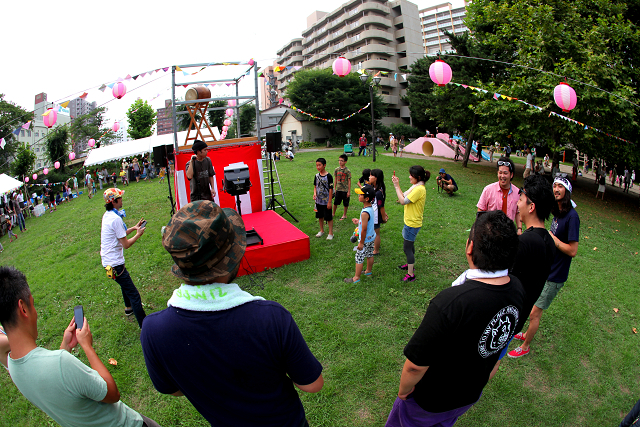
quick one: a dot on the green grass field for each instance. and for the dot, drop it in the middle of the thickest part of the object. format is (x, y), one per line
(582, 370)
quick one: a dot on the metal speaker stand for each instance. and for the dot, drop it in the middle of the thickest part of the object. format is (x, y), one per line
(273, 202)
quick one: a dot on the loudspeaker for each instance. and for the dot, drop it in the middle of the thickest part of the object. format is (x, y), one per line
(274, 141)
(161, 154)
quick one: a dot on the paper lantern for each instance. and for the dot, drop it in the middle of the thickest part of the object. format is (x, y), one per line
(72, 155)
(57, 165)
(227, 122)
(565, 97)
(231, 103)
(229, 112)
(92, 142)
(45, 171)
(440, 72)
(26, 179)
(251, 61)
(119, 90)
(50, 118)
(35, 176)
(341, 66)
(225, 128)
(116, 127)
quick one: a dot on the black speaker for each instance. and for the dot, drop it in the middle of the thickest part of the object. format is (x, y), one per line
(161, 154)
(274, 141)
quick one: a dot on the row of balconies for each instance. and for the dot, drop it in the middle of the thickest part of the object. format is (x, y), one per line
(329, 23)
(360, 24)
(284, 51)
(369, 34)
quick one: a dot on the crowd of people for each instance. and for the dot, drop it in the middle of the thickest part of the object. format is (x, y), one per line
(256, 354)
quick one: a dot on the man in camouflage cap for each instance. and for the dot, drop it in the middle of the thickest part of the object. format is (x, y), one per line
(236, 357)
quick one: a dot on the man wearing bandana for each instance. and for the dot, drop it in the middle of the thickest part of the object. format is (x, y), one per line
(565, 231)
(113, 241)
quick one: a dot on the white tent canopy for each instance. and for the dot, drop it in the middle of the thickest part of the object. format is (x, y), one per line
(8, 184)
(130, 148)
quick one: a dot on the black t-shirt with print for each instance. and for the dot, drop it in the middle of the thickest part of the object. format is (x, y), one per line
(536, 252)
(460, 339)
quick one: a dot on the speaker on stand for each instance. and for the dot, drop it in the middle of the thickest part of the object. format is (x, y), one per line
(274, 141)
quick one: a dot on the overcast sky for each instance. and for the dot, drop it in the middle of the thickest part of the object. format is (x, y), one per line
(64, 48)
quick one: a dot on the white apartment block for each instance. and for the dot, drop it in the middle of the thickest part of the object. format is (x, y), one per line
(435, 19)
(35, 137)
(376, 35)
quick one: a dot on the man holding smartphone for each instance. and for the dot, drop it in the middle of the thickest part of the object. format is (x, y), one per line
(113, 241)
(55, 381)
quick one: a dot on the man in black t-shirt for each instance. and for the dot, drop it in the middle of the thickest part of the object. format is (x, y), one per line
(446, 182)
(456, 348)
(536, 250)
(200, 173)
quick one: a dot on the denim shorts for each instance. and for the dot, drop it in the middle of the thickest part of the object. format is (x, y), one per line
(410, 233)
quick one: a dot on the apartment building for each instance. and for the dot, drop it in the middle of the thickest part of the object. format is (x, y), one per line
(268, 93)
(165, 119)
(435, 19)
(79, 106)
(376, 35)
(35, 137)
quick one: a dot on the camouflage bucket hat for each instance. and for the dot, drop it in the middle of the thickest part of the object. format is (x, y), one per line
(205, 241)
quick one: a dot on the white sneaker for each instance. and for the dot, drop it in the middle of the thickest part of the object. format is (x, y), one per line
(320, 234)
(330, 237)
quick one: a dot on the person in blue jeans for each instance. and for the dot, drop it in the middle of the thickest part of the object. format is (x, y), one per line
(113, 241)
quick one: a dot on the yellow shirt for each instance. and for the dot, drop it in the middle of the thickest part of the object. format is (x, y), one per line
(414, 211)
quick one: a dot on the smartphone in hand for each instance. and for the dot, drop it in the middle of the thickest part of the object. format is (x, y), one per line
(78, 313)
(143, 224)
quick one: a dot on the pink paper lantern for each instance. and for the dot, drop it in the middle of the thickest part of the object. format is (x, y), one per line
(227, 122)
(231, 103)
(229, 112)
(35, 176)
(565, 97)
(225, 128)
(440, 72)
(51, 118)
(116, 127)
(26, 179)
(251, 61)
(72, 155)
(57, 165)
(341, 66)
(45, 171)
(119, 90)
(92, 142)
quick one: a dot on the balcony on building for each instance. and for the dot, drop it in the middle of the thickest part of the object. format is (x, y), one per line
(376, 34)
(378, 64)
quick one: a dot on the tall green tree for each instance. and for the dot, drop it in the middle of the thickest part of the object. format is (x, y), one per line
(141, 117)
(23, 163)
(247, 121)
(57, 145)
(216, 117)
(325, 95)
(91, 125)
(11, 116)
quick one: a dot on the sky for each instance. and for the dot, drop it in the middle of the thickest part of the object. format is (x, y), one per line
(67, 48)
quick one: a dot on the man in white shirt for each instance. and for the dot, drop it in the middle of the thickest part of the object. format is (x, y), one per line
(113, 241)
(55, 381)
(529, 165)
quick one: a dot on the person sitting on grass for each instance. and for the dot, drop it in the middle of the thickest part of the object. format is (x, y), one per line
(367, 233)
(446, 182)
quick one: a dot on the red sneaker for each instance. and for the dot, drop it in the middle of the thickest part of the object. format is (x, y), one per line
(518, 352)
(519, 336)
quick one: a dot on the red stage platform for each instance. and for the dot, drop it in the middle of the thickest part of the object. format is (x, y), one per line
(283, 243)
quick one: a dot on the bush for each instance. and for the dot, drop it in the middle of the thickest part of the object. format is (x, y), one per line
(399, 129)
(309, 144)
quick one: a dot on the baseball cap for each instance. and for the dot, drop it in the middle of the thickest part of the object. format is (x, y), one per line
(367, 190)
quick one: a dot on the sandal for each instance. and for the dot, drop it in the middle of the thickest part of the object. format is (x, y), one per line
(344, 217)
(350, 280)
(368, 274)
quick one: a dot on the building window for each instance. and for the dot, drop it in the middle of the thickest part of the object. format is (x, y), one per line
(22, 132)
(28, 133)
(38, 165)
(37, 134)
(37, 149)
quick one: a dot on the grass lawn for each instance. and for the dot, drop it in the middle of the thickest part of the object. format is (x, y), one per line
(582, 370)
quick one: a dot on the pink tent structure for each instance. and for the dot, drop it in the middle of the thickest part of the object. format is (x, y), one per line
(437, 147)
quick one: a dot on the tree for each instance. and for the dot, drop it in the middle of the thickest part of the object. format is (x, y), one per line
(23, 163)
(90, 125)
(592, 41)
(11, 116)
(328, 96)
(247, 121)
(141, 117)
(57, 145)
(216, 117)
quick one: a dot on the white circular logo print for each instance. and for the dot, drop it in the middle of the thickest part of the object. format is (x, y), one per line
(497, 333)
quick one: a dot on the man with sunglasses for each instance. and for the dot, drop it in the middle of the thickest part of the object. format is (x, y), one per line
(565, 232)
(502, 195)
